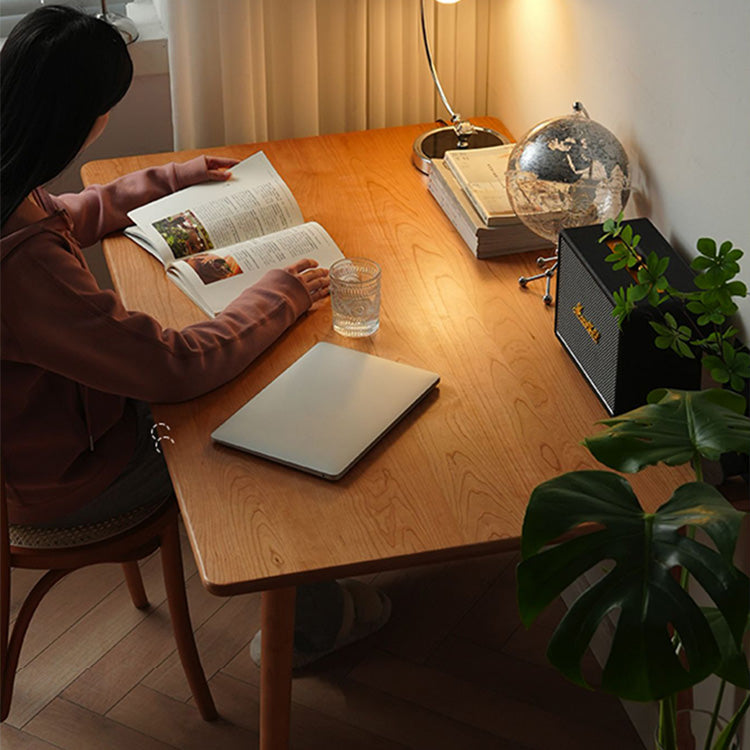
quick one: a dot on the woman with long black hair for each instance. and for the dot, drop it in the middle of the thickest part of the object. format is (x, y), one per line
(77, 367)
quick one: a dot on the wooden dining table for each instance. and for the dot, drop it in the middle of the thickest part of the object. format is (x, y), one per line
(453, 478)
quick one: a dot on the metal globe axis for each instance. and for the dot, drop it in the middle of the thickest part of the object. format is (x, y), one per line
(566, 172)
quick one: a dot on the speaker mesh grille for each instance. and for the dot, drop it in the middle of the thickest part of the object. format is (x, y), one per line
(598, 360)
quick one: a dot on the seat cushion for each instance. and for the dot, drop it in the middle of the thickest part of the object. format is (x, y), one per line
(76, 536)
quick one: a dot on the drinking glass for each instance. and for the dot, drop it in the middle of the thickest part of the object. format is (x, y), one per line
(355, 296)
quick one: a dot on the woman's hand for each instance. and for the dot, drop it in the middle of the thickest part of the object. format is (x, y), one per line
(314, 278)
(218, 167)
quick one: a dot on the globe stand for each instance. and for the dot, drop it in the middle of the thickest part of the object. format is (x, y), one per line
(566, 172)
(548, 273)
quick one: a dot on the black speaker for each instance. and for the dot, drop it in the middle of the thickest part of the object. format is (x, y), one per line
(621, 364)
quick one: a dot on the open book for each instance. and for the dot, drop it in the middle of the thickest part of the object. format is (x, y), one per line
(218, 238)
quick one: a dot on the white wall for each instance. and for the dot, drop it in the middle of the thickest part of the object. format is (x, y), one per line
(140, 124)
(671, 78)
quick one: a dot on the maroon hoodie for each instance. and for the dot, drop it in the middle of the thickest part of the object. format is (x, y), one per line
(72, 354)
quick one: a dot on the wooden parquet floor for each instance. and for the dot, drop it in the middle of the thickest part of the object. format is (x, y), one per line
(452, 670)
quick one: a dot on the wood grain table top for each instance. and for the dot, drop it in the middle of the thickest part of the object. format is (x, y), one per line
(453, 478)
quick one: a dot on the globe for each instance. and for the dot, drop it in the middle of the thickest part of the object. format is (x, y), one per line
(567, 172)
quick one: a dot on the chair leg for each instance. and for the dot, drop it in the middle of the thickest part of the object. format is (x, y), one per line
(174, 583)
(4, 609)
(12, 651)
(135, 584)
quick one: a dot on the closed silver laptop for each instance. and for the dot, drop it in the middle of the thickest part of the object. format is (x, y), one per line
(326, 410)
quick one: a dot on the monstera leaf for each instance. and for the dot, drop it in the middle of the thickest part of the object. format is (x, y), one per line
(674, 427)
(733, 666)
(639, 552)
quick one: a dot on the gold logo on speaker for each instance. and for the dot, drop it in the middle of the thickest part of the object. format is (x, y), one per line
(587, 324)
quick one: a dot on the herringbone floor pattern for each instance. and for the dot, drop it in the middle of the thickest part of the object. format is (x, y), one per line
(453, 670)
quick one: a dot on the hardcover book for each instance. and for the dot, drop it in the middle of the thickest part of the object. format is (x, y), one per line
(485, 242)
(481, 174)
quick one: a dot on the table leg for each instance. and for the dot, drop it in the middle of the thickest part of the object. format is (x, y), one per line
(277, 626)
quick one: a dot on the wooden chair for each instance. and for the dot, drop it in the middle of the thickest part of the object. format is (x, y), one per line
(124, 539)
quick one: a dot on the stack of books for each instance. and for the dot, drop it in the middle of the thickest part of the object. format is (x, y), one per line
(470, 188)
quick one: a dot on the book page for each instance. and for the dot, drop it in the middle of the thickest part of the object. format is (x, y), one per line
(481, 173)
(213, 279)
(253, 203)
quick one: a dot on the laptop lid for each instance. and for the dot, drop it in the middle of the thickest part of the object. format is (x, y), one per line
(326, 410)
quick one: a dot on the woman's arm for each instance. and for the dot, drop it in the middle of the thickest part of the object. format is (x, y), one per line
(54, 316)
(101, 209)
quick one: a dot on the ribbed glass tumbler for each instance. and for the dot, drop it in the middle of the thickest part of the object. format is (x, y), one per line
(355, 296)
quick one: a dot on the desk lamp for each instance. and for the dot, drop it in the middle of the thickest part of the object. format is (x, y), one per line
(124, 25)
(460, 134)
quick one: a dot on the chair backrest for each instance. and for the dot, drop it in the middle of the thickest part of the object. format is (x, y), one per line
(158, 529)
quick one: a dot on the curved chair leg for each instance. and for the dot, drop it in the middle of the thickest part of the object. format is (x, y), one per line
(4, 611)
(135, 584)
(13, 650)
(174, 583)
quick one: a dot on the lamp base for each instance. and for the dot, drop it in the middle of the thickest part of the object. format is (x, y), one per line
(434, 143)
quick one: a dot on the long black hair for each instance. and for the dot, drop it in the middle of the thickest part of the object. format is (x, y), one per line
(60, 70)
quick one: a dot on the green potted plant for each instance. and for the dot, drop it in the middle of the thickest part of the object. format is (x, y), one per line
(663, 641)
(706, 332)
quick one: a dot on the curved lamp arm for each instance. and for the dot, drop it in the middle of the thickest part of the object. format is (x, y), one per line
(460, 134)
(462, 127)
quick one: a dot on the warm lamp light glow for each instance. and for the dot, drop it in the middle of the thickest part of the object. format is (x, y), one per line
(449, 2)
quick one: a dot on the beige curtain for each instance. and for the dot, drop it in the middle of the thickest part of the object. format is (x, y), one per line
(255, 70)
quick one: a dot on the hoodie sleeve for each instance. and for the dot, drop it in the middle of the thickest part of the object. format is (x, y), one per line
(101, 209)
(55, 316)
